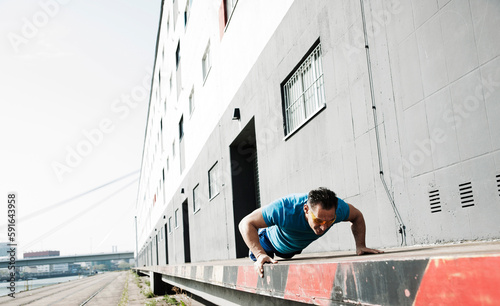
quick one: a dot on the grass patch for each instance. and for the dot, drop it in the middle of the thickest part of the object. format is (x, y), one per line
(151, 303)
(148, 293)
(124, 299)
(173, 301)
(137, 279)
(180, 295)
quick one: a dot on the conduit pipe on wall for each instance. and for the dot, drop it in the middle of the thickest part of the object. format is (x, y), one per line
(402, 227)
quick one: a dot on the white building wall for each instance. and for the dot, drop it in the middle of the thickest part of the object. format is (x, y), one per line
(239, 46)
(445, 76)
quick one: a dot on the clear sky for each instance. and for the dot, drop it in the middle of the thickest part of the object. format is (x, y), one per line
(74, 90)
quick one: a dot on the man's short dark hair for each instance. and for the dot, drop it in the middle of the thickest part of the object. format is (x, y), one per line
(323, 196)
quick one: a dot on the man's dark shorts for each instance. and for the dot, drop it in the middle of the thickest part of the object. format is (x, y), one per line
(269, 248)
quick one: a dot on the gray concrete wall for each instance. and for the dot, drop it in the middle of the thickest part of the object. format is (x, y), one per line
(441, 58)
(436, 75)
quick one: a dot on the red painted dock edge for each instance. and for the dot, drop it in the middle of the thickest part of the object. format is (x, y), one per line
(310, 283)
(436, 281)
(461, 281)
(247, 279)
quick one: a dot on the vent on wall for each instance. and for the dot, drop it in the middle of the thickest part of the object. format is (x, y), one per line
(466, 196)
(435, 201)
(498, 184)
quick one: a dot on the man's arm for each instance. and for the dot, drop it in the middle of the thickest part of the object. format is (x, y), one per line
(249, 227)
(358, 228)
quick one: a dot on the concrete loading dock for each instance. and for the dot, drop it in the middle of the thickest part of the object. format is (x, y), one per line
(459, 274)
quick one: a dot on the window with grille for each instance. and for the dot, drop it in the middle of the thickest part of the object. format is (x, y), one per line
(213, 186)
(303, 92)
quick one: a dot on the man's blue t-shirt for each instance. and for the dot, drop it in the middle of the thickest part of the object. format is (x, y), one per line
(288, 229)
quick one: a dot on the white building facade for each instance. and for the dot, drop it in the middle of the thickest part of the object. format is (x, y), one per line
(391, 104)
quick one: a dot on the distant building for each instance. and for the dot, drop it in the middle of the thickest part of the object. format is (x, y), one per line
(45, 268)
(60, 267)
(74, 268)
(4, 249)
(41, 254)
(32, 269)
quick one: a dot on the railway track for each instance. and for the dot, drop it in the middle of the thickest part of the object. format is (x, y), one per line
(78, 292)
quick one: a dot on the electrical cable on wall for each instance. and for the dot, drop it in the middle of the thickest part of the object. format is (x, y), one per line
(402, 227)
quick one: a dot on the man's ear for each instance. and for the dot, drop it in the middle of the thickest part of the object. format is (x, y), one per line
(306, 208)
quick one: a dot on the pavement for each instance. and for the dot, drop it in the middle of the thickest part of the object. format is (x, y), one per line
(110, 288)
(104, 288)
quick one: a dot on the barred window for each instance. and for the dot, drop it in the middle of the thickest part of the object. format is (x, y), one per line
(303, 92)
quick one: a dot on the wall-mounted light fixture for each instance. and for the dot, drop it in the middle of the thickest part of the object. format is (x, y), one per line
(236, 114)
(182, 190)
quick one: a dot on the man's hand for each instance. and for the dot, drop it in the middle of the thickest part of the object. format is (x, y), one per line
(261, 260)
(359, 231)
(365, 250)
(249, 231)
